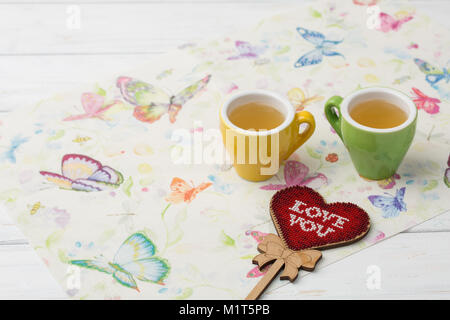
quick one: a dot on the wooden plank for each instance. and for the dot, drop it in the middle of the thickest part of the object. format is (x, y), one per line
(24, 276)
(178, 1)
(9, 232)
(30, 29)
(70, 2)
(411, 266)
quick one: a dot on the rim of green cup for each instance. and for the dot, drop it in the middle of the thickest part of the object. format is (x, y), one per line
(396, 97)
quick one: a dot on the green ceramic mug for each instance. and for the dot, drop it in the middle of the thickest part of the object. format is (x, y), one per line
(376, 153)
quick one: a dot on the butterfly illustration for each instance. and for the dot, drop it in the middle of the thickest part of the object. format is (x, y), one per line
(426, 103)
(247, 51)
(391, 205)
(299, 100)
(231, 88)
(433, 74)
(152, 102)
(378, 237)
(295, 174)
(10, 154)
(82, 173)
(134, 259)
(388, 183)
(389, 23)
(183, 191)
(256, 272)
(94, 107)
(323, 48)
(219, 185)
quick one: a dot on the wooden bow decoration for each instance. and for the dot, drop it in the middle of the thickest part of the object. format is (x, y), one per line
(272, 249)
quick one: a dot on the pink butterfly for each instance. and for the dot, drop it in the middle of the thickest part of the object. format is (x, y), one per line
(93, 105)
(295, 174)
(388, 23)
(83, 173)
(380, 236)
(255, 272)
(231, 88)
(246, 50)
(426, 103)
(257, 235)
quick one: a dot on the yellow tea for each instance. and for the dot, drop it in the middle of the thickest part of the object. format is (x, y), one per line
(378, 114)
(255, 115)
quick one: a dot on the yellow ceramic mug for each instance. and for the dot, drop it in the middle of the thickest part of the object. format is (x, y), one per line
(256, 155)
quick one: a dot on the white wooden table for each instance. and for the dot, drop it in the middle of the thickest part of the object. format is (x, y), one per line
(44, 50)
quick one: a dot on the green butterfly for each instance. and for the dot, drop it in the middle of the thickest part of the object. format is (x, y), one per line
(135, 258)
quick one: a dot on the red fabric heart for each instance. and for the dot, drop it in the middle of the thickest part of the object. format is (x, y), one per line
(304, 220)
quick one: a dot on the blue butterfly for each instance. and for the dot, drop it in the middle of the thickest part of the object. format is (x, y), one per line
(135, 257)
(391, 205)
(433, 74)
(219, 185)
(10, 154)
(323, 48)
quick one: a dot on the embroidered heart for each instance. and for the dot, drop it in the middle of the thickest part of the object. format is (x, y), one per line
(304, 220)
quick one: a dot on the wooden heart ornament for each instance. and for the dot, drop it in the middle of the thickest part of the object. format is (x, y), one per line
(305, 221)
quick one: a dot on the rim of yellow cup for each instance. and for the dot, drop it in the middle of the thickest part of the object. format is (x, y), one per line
(263, 96)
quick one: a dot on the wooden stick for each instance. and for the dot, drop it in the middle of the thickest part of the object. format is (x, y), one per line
(266, 280)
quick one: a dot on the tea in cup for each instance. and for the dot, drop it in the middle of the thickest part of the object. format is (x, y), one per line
(260, 129)
(377, 125)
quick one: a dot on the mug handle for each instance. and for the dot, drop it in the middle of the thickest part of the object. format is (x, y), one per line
(333, 119)
(300, 118)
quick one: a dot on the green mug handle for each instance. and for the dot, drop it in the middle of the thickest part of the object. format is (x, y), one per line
(333, 119)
